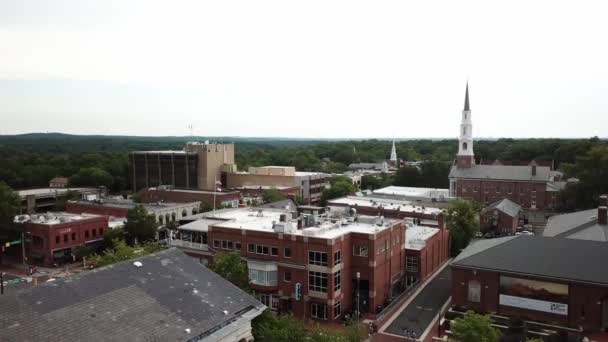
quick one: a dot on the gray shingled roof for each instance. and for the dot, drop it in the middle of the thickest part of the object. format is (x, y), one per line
(506, 206)
(502, 172)
(170, 293)
(578, 225)
(568, 259)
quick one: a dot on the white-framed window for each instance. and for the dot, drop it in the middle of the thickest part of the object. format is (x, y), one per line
(337, 257)
(411, 264)
(318, 311)
(270, 301)
(264, 278)
(360, 250)
(337, 280)
(474, 291)
(337, 309)
(317, 281)
(317, 258)
(251, 248)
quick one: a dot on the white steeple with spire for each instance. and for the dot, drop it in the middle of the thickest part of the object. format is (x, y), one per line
(393, 153)
(465, 156)
(465, 147)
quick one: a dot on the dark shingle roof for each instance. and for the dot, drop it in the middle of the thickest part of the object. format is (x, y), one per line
(502, 172)
(158, 301)
(506, 206)
(568, 259)
(577, 225)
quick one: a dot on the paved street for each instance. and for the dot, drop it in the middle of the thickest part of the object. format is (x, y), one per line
(422, 309)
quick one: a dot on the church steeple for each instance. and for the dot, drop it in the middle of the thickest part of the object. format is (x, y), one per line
(466, 99)
(466, 157)
(393, 154)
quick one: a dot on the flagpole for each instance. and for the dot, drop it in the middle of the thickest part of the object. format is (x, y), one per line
(214, 191)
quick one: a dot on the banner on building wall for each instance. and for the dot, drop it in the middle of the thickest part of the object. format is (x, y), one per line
(534, 295)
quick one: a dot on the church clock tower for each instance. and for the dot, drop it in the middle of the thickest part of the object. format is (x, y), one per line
(465, 157)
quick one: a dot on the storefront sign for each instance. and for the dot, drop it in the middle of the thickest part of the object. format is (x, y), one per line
(533, 304)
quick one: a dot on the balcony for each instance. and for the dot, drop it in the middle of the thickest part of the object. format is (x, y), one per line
(188, 244)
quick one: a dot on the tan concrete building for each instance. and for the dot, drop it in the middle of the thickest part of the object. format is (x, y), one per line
(311, 184)
(197, 166)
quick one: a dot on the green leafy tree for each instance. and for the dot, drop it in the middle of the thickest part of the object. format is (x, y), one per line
(121, 251)
(463, 222)
(230, 267)
(272, 195)
(591, 169)
(340, 187)
(111, 235)
(92, 176)
(473, 327)
(82, 251)
(140, 226)
(282, 328)
(9, 207)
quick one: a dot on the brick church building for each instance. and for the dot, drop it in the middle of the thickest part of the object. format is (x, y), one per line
(532, 186)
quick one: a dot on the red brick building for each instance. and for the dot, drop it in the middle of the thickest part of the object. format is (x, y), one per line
(335, 263)
(53, 235)
(426, 250)
(533, 187)
(163, 211)
(500, 217)
(560, 282)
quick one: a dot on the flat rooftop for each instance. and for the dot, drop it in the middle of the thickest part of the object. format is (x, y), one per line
(128, 204)
(386, 203)
(263, 187)
(414, 192)
(264, 219)
(194, 191)
(53, 218)
(50, 191)
(416, 236)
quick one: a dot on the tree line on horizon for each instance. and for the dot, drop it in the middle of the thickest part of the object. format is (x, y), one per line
(31, 160)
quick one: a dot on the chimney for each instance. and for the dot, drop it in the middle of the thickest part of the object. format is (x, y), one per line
(533, 164)
(602, 211)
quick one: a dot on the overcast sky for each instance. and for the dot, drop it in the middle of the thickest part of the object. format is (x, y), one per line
(321, 69)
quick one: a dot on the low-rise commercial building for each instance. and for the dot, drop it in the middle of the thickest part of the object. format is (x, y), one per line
(164, 212)
(310, 184)
(555, 285)
(165, 296)
(224, 198)
(44, 199)
(321, 269)
(585, 225)
(500, 218)
(58, 182)
(427, 249)
(392, 208)
(52, 236)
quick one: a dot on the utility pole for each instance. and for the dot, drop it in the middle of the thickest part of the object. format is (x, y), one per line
(358, 306)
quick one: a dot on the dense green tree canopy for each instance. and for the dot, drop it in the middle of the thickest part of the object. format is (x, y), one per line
(140, 226)
(230, 266)
(340, 187)
(9, 207)
(591, 169)
(31, 160)
(474, 328)
(462, 222)
(272, 195)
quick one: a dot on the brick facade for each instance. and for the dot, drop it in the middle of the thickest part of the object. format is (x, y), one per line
(381, 271)
(584, 300)
(61, 238)
(498, 222)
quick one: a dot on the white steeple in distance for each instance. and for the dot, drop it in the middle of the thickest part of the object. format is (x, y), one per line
(465, 142)
(393, 153)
